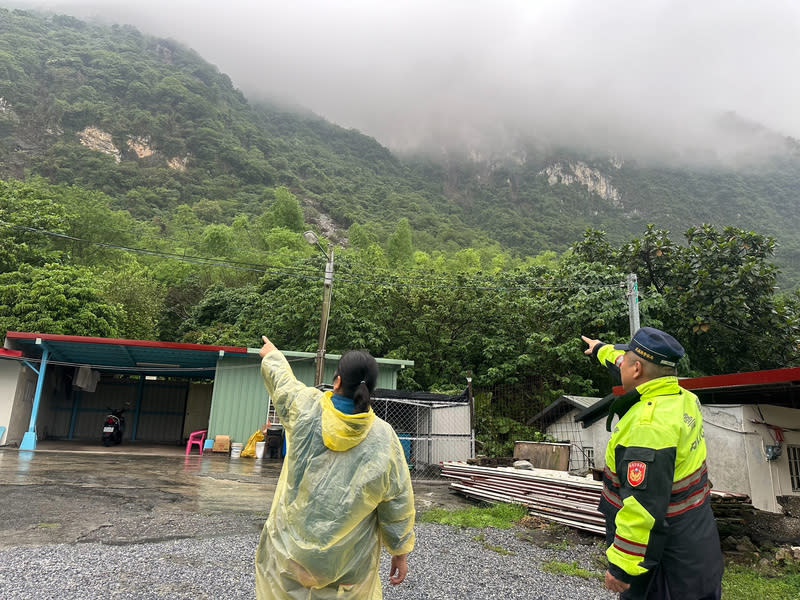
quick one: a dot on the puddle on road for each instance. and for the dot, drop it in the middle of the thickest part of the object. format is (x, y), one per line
(204, 484)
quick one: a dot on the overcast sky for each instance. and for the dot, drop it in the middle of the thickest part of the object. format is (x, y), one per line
(616, 75)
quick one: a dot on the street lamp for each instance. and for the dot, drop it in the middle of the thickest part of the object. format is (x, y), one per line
(312, 239)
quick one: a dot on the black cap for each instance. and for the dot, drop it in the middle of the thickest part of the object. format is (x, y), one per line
(654, 346)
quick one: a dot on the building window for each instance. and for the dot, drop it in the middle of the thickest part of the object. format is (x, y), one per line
(793, 454)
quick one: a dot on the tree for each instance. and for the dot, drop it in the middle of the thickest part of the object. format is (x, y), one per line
(25, 206)
(726, 312)
(400, 249)
(218, 240)
(134, 288)
(284, 212)
(57, 299)
(716, 295)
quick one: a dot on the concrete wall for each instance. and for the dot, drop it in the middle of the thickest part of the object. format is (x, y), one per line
(737, 460)
(726, 445)
(9, 375)
(769, 479)
(736, 450)
(22, 406)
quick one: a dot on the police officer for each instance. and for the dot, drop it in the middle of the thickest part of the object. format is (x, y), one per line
(661, 537)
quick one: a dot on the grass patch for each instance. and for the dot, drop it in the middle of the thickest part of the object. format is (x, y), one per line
(499, 549)
(741, 582)
(562, 545)
(564, 568)
(500, 516)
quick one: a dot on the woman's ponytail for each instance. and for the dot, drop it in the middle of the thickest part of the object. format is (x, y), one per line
(358, 371)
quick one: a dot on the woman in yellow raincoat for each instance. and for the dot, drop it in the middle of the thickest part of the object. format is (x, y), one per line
(344, 488)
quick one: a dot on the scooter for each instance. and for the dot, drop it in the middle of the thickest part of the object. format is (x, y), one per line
(113, 427)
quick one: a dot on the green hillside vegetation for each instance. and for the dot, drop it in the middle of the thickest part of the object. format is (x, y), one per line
(60, 76)
(192, 231)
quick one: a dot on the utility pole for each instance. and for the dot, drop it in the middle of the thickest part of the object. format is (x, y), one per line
(326, 311)
(633, 303)
(471, 401)
(319, 367)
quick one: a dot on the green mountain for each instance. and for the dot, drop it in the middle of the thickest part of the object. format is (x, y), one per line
(152, 125)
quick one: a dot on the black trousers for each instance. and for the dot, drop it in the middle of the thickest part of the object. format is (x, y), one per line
(654, 586)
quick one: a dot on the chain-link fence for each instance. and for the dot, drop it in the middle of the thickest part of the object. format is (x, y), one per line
(432, 428)
(518, 401)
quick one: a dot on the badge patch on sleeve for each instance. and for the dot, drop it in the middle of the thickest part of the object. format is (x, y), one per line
(636, 473)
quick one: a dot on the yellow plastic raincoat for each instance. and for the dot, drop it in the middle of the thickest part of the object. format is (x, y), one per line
(344, 488)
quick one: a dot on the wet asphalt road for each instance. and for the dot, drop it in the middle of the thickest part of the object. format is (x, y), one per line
(95, 525)
(69, 497)
(50, 497)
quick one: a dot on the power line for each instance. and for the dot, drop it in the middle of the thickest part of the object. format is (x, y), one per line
(401, 281)
(243, 266)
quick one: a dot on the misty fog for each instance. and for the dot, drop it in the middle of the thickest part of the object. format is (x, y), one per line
(659, 78)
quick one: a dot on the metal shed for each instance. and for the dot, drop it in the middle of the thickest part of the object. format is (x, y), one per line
(170, 388)
(240, 404)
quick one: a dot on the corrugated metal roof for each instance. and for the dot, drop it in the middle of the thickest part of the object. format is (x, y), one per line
(392, 394)
(560, 407)
(124, 356)
(239, 401)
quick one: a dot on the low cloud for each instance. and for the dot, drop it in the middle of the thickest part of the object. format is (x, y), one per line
(663, 78)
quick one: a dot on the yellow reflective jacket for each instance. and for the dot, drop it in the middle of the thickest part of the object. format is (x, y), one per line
(656, 489)
(344, 489)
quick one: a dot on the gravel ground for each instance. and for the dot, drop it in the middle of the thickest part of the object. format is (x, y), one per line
(447, 564)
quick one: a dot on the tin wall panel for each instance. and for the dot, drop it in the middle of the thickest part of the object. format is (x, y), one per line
(94, 406)
(160, 416)
(239, 401)
(162, 412)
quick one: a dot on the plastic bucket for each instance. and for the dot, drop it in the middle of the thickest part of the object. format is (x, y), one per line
(236, 450)
(260, 449)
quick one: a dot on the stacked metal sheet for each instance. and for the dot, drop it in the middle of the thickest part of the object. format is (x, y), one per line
(555, 496)
(560, 497)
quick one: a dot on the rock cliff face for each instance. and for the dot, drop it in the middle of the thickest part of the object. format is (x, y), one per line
(177, 163)
(7, 112)
(141, 146)
(99, 140)
(582, 174)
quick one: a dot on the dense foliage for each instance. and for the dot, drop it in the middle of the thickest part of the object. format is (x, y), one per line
(192, 231)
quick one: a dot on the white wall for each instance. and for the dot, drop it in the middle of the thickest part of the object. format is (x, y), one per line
(441, 433)
(9, 375)
(598, 437)
(452, 420)
(728, 460)
(737, 460)
(736, 457)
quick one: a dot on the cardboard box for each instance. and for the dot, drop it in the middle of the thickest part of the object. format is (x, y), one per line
(222, 443)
